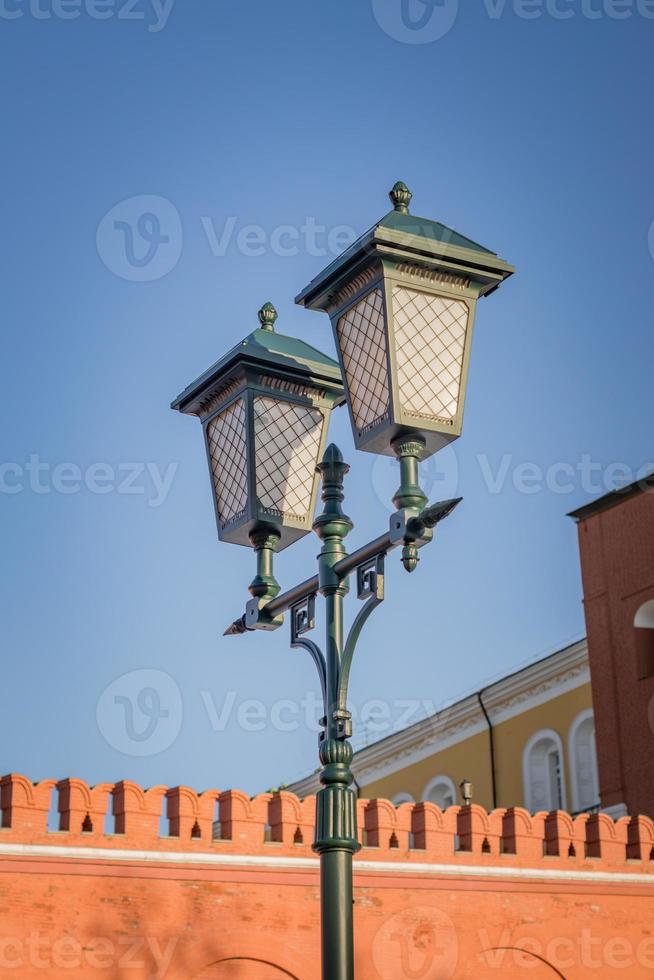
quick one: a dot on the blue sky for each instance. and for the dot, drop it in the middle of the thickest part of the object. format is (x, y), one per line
(258, 135)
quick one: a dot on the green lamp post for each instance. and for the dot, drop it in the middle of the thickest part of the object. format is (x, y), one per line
(402, 302)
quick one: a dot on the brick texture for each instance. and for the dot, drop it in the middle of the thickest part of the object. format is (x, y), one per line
(617, 564)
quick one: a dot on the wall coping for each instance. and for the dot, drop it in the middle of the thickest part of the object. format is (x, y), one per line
(296, 863)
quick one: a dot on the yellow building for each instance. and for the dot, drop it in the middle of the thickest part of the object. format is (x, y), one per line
(526, 740)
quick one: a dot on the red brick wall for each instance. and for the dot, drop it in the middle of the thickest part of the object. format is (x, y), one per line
(460, 894)
(617, 562)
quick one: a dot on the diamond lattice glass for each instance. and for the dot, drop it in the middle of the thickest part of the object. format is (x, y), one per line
(228, 453)
(362, 343)
(430, 333)
(287, 440)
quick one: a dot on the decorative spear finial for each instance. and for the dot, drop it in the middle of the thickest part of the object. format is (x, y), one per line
(400, 196)
(267, 316)
(333, 457)
(332, 522)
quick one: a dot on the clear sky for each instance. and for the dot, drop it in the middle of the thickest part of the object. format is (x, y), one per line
(257, 136)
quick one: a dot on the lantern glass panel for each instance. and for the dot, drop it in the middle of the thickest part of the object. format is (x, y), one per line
(287, 443)
(430, 336)
(362, 341)
(228, 454)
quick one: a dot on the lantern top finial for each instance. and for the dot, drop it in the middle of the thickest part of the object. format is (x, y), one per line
(267, 316)
(400, 196)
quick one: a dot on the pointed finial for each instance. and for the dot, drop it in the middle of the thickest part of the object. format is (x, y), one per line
(332, 455)
(332, 523)
(236, 628)
(267, 316)
(410, 557)
(400, 196)
(332, 467)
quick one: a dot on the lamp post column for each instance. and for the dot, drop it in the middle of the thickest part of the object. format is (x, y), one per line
(336, 831)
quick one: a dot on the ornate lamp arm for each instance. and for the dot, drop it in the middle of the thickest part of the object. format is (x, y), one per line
(370, 586)
(303, 619)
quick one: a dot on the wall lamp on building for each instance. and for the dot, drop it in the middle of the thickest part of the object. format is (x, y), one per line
(402, 302)
(466, 788)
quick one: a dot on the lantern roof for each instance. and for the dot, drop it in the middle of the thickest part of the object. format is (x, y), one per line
(407, 237)
(286, 357)
(411, 224)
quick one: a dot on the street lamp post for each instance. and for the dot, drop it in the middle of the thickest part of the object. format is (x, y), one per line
(402, 302)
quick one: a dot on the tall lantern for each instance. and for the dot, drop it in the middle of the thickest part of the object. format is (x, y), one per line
(402, 302)
(265, 410)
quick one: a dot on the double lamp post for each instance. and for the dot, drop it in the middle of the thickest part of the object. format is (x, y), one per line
(402, 302)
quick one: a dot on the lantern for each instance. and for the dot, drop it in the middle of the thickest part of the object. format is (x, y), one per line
(402, 302)
(265, 410)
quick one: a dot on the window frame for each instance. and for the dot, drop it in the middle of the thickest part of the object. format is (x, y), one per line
(540, 736)
(441, 780)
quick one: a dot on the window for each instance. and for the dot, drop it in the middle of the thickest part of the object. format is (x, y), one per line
(583, 762)
(543, 774)
(644, 635)
(402, 798)
(440, 791)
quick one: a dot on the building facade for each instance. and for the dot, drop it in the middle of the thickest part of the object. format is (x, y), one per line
(616, 540)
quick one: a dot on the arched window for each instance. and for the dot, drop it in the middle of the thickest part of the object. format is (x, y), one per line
(583, 762)
(644, 631)
(440, 791)
(543, 775)
(402, 798)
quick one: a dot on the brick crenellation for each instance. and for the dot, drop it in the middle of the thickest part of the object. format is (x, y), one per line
(126, 816)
